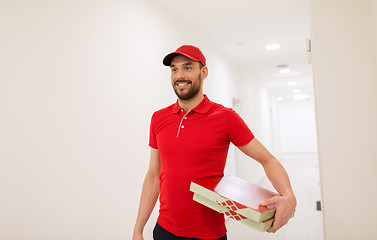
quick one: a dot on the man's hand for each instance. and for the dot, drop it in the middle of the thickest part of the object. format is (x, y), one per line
(285, 207)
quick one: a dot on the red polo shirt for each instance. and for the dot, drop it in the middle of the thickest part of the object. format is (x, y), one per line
(193, 145)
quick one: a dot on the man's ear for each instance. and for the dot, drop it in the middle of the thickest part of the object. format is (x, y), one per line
(204, 72)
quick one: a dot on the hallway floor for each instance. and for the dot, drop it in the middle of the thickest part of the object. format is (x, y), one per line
(307, 222)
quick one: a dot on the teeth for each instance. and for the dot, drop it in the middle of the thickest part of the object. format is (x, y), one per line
(182, 84)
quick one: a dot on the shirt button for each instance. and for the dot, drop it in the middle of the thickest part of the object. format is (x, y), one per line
(185, 117)
(181, 110)
(183, 126)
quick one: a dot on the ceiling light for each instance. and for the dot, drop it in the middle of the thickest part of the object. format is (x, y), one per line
(300, 97)
(279, 98)
(285, 70)
(272, 46)
(292, 83)
(296, 91)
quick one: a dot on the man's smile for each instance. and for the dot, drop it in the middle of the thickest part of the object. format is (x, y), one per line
(182, 84)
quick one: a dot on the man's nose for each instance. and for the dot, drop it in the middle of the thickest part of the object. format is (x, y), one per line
(180, 75)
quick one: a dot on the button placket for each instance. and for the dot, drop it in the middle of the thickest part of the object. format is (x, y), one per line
(180, 124)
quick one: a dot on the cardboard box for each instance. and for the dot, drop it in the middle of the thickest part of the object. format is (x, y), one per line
(237, 199)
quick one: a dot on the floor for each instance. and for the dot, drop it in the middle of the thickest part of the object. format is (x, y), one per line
(307, 222)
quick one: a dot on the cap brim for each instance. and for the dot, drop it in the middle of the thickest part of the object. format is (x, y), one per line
(167, 60)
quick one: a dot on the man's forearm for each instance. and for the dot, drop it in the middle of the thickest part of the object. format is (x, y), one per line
(286, 202)
(278, 177)
(274, 170)
(148, 199)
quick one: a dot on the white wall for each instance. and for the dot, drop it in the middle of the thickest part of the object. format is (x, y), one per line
(255, 108)
(255, 104)
(297, 130)
(345, 84)
(79, 81)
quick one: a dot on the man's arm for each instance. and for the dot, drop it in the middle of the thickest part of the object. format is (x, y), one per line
(286, 202)
(149, 194)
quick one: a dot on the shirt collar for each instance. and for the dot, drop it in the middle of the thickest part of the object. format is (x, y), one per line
(202, 108)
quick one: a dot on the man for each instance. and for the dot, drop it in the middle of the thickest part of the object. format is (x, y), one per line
(189, 140)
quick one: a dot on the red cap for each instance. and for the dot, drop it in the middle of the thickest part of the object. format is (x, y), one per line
(189, 51)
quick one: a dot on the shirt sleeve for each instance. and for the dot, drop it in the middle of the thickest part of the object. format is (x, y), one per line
(152, 133)
(237, 131)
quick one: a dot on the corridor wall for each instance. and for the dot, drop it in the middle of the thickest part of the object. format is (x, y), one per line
(79, 81)
(344, 47)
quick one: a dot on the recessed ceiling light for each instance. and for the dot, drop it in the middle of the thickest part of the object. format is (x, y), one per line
(285, 70)
(279, 98)
(272, 46)
(296, 91)
(300, 97)
(292, 83)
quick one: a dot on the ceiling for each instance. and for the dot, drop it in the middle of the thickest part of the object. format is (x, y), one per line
(240, 29)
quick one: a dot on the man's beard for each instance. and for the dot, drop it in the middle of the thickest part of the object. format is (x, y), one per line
(192, 91)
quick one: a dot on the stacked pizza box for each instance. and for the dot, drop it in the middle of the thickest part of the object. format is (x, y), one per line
(237, 199)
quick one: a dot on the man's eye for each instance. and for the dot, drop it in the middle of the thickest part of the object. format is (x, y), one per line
(173, 69)
(187, 68)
